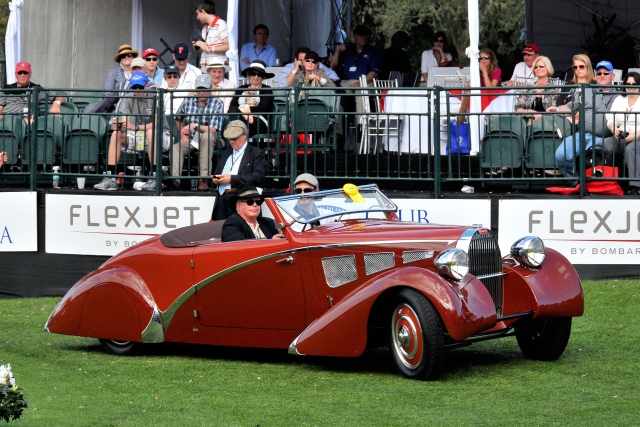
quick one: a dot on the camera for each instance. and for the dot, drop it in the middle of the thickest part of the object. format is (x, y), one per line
(623, 134)
(197, 38)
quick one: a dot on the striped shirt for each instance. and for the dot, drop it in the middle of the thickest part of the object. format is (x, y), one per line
(214, 36)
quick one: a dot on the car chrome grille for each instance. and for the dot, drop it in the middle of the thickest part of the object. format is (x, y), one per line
(378, 262)
(413, 256)
(339, 270)
(485, 260)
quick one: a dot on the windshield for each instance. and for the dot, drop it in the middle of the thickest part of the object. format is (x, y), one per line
(311, 207)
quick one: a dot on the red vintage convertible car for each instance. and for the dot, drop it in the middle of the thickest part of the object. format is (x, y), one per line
(347, 277)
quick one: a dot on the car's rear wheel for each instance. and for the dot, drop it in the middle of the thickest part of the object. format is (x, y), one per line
(416, 339)
(122, 348)
(543, 338)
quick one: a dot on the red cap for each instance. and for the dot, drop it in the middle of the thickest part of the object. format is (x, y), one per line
(150, 51)
(23, 66)
(531, 48)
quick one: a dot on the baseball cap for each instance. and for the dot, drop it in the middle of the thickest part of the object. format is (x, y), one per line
(150, 51)
(531, 48)
(605, 64)
(172, 69)
(139, 78)
(138, 62)
(23, 66)
(235, 129)
(308, 178)
(202, 81)
(181, 51)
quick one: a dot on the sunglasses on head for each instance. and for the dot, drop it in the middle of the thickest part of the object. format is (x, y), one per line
(304, 190)
(23, 73)
(137, 87)
(250, 202)
(313, 61)
(579, 67)
(602, 73)
(151, 58)
(485, 57)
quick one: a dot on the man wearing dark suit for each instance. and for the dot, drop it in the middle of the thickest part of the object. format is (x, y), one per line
(240, 164)
(245, 223)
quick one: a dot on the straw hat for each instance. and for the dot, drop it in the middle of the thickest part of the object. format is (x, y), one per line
(123, 50)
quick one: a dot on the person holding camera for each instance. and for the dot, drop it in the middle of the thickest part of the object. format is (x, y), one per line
(297, 64)
(623, 122)
(214, 42)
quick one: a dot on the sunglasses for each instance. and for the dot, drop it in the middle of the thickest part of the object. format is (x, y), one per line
(137, 87)
(438, 41)
(250, 202)
(602, 73)
(485, 57)
(129, 55)
(631, 84)
(304, 190)
(313, 61)
(253, 74)
(23, 73)
(579, 67)
(149, 58)
(172, 76)
(540, 66)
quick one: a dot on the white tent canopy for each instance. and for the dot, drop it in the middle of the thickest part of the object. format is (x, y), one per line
(12, 39)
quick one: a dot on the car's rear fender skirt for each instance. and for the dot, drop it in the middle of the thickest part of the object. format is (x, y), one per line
(465, 309)
(554, 289)
(113, 304)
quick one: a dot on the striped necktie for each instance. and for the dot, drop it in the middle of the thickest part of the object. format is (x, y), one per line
(227, 169)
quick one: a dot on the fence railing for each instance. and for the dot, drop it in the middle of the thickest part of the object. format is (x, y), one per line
(402, 135)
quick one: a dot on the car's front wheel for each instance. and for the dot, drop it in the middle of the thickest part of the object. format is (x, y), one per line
(416, 340)
(122, 348)
(543, 338)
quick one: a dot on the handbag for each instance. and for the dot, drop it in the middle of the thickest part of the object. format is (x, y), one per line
(459, 141)
(604, 187)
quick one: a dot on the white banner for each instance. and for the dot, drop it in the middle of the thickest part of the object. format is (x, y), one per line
(99, 225)
(19, 222)
(445, 211)
(585, 231)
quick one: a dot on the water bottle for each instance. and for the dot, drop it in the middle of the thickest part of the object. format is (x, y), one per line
(277, 62)
(194, 185)
(56, 177)
(120, 180)
(138, 170)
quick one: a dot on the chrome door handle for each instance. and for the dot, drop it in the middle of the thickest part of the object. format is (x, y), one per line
(288, 259)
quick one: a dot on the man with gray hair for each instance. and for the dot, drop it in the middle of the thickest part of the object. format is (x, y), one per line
(239, 164)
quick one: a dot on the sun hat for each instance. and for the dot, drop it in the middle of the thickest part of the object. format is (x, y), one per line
(123, 50)
(259, 67)
(216, 62)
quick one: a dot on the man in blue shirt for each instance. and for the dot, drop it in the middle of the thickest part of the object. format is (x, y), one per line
(259, 49)
(301, 52)
(357, 59)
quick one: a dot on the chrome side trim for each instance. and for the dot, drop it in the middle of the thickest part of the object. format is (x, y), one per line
(168, 314)
(293, 347)
(154, 331)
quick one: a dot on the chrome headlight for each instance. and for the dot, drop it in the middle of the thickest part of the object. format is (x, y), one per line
(528, 251)
(452, 263)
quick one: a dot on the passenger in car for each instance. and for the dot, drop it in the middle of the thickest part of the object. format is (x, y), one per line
(245, 223)
(306, 207)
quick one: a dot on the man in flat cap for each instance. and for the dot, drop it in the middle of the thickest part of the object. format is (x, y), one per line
(239, 164)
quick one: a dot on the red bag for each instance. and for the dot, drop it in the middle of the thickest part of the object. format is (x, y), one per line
(301, 141)
(604, 187)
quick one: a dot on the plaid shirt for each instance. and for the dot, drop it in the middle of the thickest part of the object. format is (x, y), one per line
(207, 115)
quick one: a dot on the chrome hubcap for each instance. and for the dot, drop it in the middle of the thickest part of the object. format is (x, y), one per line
(403, 337)
(406, 336)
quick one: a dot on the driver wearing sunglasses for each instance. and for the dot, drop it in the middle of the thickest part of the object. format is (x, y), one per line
(246, 223)
(306, 208)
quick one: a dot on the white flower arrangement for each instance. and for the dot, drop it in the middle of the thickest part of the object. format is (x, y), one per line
(12, 401)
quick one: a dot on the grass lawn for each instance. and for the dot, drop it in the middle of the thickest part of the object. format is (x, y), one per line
(70, 381)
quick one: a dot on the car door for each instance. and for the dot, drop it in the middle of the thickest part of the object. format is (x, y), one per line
(254, 284)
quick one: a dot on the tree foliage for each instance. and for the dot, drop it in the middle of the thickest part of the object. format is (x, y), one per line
(4, 19)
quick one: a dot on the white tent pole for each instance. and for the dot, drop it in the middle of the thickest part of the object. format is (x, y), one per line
(136, 26)
(12, 40)
(232, 34)
(472, 54)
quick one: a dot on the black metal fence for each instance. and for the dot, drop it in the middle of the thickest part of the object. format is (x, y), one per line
(402, 135)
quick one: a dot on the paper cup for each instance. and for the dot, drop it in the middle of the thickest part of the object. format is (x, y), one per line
(81, 183)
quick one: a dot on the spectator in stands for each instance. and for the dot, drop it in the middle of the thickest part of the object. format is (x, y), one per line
(259, 49)
(310, 74)
(395, 57)
(623, 121)
(188, 73)
(253, 101)
(532, 103)
(214, 34)
(246, 222)
(216, 70)
(155, 73)
(171, 78)
(296, 65)
(240, 164)
(200, 119)
(117, 77)
(3, 158)
(113, 103)
(17, 101)
(594, 132)
(525, 69)
(490, 73)
(357, 59)
(438, 56)
(125, 129)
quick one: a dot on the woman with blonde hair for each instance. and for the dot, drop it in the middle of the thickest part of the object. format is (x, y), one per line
(535, 101)
(582, 69)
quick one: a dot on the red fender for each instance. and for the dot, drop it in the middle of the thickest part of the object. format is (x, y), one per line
(465, 309)
(112, 304)
(552, 290)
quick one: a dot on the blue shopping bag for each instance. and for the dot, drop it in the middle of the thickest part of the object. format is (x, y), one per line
(459, 142)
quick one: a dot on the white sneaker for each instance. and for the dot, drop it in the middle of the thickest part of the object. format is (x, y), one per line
(108, 184)
(150, 185)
